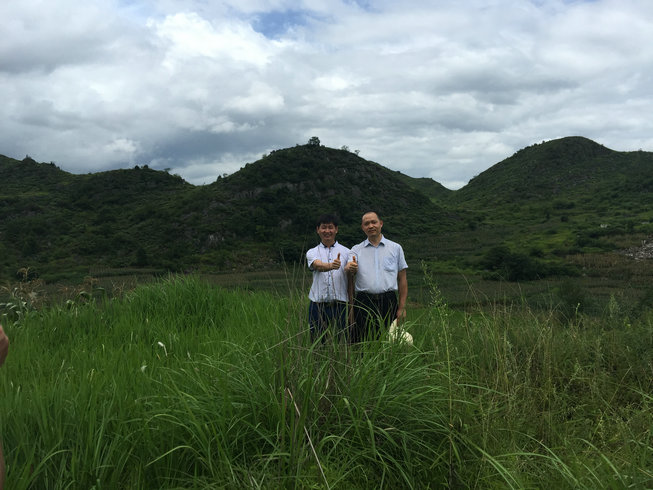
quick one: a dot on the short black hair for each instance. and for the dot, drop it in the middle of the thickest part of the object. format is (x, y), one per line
(372, 211)
(326, 219)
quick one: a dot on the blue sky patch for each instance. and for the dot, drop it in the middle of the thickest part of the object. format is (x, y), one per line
(275, 24)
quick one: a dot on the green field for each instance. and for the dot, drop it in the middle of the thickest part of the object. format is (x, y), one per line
(183, 383)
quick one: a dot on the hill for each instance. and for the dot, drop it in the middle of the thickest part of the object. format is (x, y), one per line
(572, 168)
(57, 222)
(140, 217)
(266, 211)
(549, 202)
(427, 186)
(564, 197)
(291, 187)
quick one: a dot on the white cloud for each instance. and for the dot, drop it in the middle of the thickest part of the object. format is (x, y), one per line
(333, 82)
(442, 89)
(189, 39)
(260, 99)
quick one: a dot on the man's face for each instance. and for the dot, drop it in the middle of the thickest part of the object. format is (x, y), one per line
(327, 233)
(371, 225)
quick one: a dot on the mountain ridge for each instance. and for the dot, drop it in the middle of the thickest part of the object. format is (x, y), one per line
(555, 193)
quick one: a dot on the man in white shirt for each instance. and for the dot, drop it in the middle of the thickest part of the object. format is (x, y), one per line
(328, 292)
(381, 288)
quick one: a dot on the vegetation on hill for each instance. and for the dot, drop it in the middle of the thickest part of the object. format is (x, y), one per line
(427, 186)
(570, 179)
(543, 171)
(554, 201)
(56, 221)
(261, 215)
(540, 213)
(283, 193)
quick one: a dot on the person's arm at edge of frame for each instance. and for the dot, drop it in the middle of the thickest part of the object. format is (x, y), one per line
(4, 349)
(402, 284)
(4, 346)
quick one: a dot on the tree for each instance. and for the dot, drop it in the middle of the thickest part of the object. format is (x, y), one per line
(141, 257)
(314, 141)
(505, 264)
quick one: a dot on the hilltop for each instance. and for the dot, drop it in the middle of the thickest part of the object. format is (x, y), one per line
(572, 168)
(290, 187)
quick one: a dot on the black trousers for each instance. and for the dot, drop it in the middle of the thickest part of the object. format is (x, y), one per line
(321, 316)
(373, 314)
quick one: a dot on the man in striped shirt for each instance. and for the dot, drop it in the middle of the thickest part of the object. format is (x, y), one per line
(328, 294)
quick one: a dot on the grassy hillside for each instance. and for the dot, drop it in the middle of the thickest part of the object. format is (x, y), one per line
(548, 170)
(56, 222)
(289, 188)
(427, 186)
(553, 202)
(573, 180)
(140, 217)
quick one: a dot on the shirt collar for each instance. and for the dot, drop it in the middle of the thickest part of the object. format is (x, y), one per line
(324, 246)
(367, 242)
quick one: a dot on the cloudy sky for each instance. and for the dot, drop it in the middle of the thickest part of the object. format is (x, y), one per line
(433, 88)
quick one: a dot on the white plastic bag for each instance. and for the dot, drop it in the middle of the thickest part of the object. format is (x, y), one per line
(398, 334)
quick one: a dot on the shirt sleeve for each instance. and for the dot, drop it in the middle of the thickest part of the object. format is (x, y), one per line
(401, 260)
(353, 253)
(345, 256)
(311, 256)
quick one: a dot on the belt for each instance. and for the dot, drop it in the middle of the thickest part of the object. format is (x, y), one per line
(330, 303)
(375, 295)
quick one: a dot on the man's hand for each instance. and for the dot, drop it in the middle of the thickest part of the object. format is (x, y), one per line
(4, 346)
(402, 283)
(401, 315)
(336, 263)
(352, 266)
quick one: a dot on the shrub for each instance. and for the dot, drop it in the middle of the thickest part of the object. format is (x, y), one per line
(502, 263)
(572, 300)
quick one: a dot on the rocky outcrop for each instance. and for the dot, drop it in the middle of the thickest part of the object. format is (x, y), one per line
(643, 252)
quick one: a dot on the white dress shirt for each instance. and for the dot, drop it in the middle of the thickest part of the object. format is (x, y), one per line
(329, 285)
(378, 266)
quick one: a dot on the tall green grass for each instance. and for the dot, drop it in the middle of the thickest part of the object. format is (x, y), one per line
(180, 384)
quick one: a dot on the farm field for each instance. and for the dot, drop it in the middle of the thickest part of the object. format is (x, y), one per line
(184, 383)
